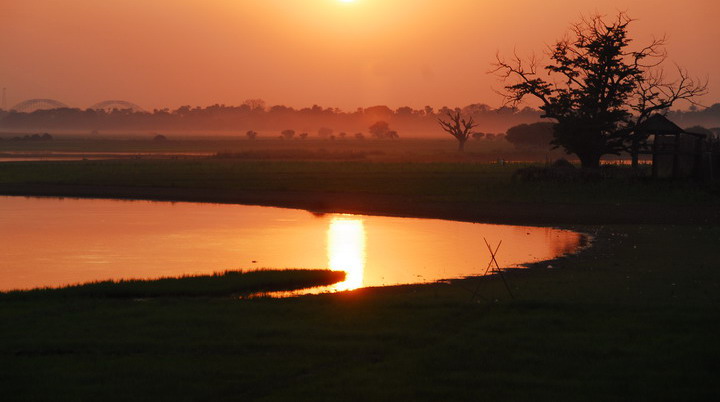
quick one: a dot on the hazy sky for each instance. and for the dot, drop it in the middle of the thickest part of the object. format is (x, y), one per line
(167, 53)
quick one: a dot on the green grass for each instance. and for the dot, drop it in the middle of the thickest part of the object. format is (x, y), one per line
(238, 143)
(228, 283)
(452, 182)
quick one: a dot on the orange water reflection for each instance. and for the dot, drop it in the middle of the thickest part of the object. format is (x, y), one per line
(53, 242)
(346, 251)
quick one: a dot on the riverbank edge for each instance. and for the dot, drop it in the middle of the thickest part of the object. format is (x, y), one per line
(514, 213)
(379, 205)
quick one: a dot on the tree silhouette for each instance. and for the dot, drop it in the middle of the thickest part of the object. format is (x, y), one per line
(458, 127)
(379, 129)
(251, 134)
(255, 104)
(536, 135)
(654, 95)
(595, 83)
(287, 134)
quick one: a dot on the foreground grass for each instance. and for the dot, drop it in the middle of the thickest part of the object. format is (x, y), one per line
(634, 318)
(227, 283)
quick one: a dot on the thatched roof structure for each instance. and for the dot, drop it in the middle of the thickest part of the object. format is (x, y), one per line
(659, 124)
(676, 152)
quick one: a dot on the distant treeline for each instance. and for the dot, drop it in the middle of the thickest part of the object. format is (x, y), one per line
(272, 120)
(707, 117)
(254, 115)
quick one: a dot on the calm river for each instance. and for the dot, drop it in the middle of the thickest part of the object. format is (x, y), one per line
(53, 242)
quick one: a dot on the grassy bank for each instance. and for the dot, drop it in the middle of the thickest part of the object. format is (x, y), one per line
(451, 181)
(228, 283)
(468, 191)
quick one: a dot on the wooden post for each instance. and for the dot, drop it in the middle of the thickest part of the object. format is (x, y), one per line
(635, 150)
(676, 157)
(698, 170)
(655, 157)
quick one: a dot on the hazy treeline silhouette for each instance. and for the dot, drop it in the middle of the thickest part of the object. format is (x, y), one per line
(707, 117)
(271, 121)
(268, 121)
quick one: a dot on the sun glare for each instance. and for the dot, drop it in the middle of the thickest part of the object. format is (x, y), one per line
(346, 251)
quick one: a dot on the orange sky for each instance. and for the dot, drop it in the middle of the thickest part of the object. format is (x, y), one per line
(167, 53)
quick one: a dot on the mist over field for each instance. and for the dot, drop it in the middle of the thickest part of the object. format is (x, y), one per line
(270, 121)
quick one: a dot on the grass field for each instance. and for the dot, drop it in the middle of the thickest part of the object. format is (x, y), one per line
(635, 317)
(406, 148)
(461, 182)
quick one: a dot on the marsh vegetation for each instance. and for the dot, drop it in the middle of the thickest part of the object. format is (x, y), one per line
(221, 284)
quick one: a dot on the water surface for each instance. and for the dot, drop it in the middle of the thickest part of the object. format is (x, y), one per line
(54, 242)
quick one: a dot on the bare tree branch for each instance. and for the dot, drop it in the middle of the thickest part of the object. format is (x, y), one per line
(458, 127)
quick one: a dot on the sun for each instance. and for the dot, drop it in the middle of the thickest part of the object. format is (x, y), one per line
(346, 1)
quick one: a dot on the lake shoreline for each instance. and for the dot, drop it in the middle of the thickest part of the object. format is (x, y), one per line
(635, 312)
(518, 213)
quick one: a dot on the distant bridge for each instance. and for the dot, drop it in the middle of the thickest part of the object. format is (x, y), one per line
(32, 105)
(110, 105)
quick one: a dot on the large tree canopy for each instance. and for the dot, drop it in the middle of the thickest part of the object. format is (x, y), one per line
(597, 88)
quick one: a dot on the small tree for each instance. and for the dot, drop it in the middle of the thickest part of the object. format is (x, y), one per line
(478, 136)
(379, 129)
(458, 127)
(255, 104)
(251, 135)
(287, 134)
(536, 135)
(303, 136)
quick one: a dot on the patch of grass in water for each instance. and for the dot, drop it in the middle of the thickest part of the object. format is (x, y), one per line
(216, 285)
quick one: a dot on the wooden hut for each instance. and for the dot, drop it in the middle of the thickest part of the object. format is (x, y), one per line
(675, 152)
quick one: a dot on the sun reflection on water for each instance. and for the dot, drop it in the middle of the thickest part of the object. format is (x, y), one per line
(346, 250)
